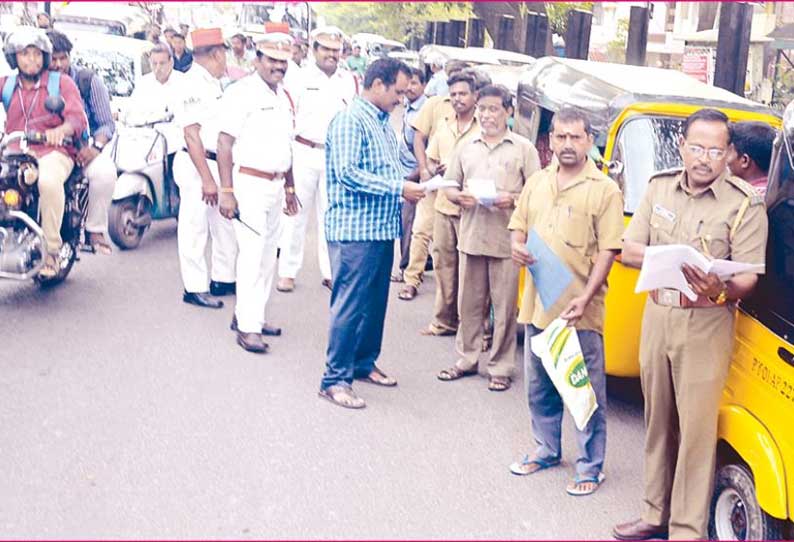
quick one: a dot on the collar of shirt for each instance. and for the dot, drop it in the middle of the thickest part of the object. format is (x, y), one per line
(202, 72)
(371, 109)
(417, 104)
(590, 172)
(314, 70)
(506, 137)
(715, 188)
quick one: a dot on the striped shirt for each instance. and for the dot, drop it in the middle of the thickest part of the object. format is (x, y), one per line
(98, 111)
(364, 175)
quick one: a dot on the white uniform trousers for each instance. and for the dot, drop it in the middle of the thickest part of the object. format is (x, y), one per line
(308, 170)
(261, 204)
(197, 221)
(102, 175)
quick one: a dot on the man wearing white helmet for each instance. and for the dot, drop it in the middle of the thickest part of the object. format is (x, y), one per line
(258, 115)
(29, 51)
(322, 90)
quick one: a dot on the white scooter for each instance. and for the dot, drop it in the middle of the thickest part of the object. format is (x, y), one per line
(145, 189)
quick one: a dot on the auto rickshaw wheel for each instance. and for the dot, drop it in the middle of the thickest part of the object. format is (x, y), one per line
(123, 217)
(735, 512)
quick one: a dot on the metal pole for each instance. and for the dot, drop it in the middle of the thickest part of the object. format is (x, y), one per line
(733, 46)
(637, 40)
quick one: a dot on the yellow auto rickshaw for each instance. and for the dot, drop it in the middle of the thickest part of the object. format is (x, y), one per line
(637, 114)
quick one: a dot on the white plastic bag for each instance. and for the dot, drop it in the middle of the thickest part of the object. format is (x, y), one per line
(559, 349)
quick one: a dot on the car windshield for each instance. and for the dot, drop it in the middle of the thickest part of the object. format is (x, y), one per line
(116, 69)
(646, 146)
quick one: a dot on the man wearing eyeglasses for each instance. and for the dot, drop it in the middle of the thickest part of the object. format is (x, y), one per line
(685, 348)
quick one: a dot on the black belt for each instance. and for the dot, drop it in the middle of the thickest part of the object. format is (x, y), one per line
(210, 155)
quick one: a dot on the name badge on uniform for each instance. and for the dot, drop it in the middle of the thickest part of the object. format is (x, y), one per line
(312, 88)
(663, 212)
(268, 108)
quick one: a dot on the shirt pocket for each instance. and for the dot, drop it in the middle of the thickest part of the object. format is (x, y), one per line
(661, 230)
(713, 240)
(574, 228)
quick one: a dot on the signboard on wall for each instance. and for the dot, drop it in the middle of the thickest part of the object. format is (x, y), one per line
(698, 62)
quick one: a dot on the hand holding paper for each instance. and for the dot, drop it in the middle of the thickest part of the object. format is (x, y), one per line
(437, 183)
(661, 268)
(484, 190)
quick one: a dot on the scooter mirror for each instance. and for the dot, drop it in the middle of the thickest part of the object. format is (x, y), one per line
(54, 104)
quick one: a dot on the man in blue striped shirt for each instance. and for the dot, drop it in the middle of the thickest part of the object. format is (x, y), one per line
(365, 183)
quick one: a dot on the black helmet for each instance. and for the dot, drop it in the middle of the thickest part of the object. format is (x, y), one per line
(24, 37)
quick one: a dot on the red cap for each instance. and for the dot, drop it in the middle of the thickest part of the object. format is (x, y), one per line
(207, 37)
(276, 27)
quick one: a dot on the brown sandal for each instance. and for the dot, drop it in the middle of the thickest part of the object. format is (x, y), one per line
(342, 396)
(435, 331)
(499, 383)
(408, 292)
(453, 373)
(379, 378)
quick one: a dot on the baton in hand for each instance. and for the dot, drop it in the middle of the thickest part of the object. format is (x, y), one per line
(237, 218)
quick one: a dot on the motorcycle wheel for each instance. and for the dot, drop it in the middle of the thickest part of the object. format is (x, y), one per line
(121, 222)
(68, 257)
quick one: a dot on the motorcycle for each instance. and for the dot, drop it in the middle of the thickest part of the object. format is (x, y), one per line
(145, 190)
(22, 243)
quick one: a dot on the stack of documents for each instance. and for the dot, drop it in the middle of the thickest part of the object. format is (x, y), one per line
(661, 268)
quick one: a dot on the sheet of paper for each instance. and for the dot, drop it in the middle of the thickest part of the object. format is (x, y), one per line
(484, 190)
(661, 268)
(438, 182)
(549, 273)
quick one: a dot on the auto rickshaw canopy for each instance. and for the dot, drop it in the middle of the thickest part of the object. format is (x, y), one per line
(603, 90)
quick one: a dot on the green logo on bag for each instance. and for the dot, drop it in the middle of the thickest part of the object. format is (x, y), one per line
(577, 374)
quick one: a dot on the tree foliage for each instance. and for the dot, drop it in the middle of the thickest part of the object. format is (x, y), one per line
(557, 12)
(394, 20)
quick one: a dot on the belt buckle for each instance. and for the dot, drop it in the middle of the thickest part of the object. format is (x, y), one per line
(669, 298)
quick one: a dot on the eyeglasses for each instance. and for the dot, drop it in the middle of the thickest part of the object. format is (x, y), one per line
(714, 154)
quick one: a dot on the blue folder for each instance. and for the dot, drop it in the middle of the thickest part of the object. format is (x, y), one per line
(550, 274)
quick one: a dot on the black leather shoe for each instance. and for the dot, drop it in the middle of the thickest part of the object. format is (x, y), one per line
(202, 299)
(252, 342)
(220, 289)
(270, 331)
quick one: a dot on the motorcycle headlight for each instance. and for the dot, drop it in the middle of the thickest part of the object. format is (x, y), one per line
(12, 199)
(28, 174)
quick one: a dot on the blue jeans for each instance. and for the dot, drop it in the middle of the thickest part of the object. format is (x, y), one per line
(360, 272)
(546, 407)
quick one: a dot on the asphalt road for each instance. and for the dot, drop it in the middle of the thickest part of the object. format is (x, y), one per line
(125, 413)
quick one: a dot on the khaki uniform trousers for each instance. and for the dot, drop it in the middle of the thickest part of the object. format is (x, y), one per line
(446, 229)
(54, 169)
(421, 236)
(485, 280)
(684, 359)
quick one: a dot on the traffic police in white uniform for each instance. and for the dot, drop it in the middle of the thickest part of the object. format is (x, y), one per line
(322, 90)
(196, 173)
(255, 164)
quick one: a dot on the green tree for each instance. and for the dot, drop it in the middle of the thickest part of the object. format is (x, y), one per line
(393, 20)
(557, 12)
(616, 49)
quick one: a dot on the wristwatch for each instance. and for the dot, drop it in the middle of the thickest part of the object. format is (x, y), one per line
(97, 145)
(289, 189)
(721, 298)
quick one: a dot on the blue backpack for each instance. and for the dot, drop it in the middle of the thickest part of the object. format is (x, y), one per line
(53, 87)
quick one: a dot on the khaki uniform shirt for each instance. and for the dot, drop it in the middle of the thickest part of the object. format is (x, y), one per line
(435, 110)
(446, 138)
(510, 163)
(671, 214)
(576, 223)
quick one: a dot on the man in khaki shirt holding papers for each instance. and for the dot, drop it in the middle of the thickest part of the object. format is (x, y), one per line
(486, 271)
(685, 348)
(578, 212)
